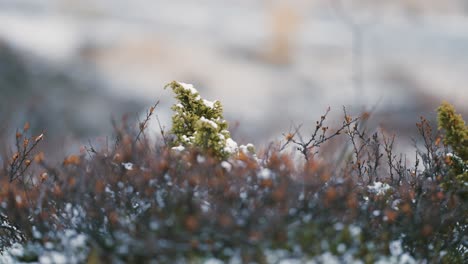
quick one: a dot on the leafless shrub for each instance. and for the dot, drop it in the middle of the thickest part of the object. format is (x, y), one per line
(137, 205)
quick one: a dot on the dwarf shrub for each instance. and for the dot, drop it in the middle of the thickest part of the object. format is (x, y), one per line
(199, 123)
(142, 203)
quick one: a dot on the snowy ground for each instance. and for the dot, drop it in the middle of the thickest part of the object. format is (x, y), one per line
(269, 62)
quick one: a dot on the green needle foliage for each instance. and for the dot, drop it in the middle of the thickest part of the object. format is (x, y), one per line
(456, 136)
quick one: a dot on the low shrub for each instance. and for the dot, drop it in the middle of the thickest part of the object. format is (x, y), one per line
(139, 202)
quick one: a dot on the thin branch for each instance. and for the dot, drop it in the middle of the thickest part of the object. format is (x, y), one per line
(161, 130)
(319, 135)
(144, 124)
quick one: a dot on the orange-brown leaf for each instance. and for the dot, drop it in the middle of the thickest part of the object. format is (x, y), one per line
(26, 126)
(72, 160)
(39, 157)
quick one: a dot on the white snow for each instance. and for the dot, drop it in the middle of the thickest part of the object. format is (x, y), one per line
(249, 150)
(354, 230)
(221, 136)
(243, 195)
(406, 258)
(395, 248)
(226, 165)
(5, 258)
(36, 234)
(213, 261)
(16, 250)
(245, 148)
(379, 188)
(205, 206)
(178, 148)
(338, 226)
(265, 174)
(189, 87)
(200, 159)
(210, 122)
(395, 204)
(397, 254)
(53, 258)
(187, 139)
(209, 103)
(327, 257)
(231, 146)
(127, 165)
(154, 225)
(341, 248)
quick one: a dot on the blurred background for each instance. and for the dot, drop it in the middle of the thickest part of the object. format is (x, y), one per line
(68, 66)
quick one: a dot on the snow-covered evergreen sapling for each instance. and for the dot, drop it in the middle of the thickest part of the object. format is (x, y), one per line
(199, 123)
(456, 136)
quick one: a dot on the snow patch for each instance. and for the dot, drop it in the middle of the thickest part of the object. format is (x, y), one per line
(213, 261)
(200, 159)
(128, 165)
(395, 248)
(265, 174)
(246, 149)
(209, 103)
(379, 188)
(226, 165)
(210, 122)
(231, 146)
(179, 148)
(53, 258)
(188, 87)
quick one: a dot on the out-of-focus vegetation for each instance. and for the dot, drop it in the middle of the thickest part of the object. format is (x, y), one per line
(51, 97)
(136, 201)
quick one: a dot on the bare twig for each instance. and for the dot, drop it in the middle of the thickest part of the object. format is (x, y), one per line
(358, 147)
(319, 135)
(161, 130)
(388, 148)
(290, 136)
(21, 159)
(142, 125)
(91, 148)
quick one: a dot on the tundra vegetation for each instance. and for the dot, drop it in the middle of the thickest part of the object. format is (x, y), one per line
(194, 195)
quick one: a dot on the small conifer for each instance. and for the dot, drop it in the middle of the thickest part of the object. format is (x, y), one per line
(456, 136)
(199, 123)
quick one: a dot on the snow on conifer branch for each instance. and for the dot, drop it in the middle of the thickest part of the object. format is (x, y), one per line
(199, 123)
